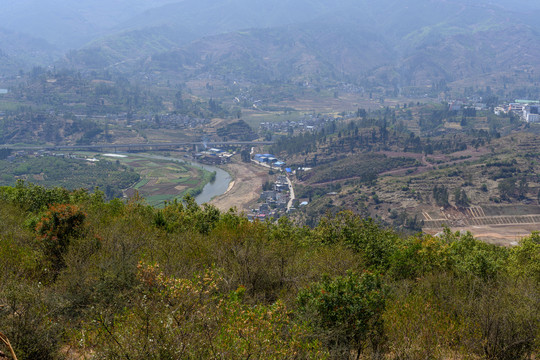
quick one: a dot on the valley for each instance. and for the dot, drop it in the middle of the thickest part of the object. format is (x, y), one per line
(381, 158)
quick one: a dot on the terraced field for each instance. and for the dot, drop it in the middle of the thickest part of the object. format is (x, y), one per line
(481, 221)
(484, 215)
(503, 225)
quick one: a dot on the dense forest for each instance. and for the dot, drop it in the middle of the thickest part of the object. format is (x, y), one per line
(87, 278)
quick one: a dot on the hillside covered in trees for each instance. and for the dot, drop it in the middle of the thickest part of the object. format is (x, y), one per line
(87, 278)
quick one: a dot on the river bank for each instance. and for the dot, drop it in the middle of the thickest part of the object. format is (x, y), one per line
(246, 187)
(219, 184)
(237, 184)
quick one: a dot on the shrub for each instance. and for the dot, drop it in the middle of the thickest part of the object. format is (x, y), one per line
(55, 230)
(346, 312)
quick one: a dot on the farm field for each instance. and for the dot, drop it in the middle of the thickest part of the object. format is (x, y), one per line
(163, 180)
(77, 172)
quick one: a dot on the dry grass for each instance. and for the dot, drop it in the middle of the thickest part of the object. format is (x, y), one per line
(4, 339)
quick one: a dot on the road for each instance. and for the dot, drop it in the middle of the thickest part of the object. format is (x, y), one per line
(291, 193)
(154, 145)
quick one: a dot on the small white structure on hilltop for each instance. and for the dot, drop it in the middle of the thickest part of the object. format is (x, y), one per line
(531, 113)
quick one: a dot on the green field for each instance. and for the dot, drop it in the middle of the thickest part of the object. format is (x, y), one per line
(163, 180)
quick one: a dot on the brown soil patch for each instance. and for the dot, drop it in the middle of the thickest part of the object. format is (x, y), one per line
(129, 193)
(246, 188)
(217, 122)
(504, 235)
(180, 187)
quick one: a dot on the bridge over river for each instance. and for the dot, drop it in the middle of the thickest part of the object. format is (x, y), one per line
(136, 146)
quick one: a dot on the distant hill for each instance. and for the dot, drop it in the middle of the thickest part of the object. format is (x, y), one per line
(70, 24)
(125, 50)
(387, 42)
(283, 54)
(210, 17)
(21, 52)
(340, 50)
(495, 52)
(177, 24)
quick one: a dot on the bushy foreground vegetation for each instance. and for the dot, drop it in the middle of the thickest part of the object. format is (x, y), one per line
(86, 278)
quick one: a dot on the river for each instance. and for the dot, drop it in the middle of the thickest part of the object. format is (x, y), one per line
(217, 187)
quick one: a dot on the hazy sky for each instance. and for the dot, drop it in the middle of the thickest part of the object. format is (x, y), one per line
(70, 24)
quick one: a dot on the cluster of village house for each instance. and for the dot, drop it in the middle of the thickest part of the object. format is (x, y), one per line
(528, 110)
(165, 121)
(213, 156)
(273, 203)
(307, 123)
(40, 153)
(458, 105)
(269, 160)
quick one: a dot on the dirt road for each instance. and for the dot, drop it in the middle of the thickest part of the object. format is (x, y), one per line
(245, 188)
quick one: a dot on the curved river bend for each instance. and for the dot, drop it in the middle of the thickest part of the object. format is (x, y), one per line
(217, 187)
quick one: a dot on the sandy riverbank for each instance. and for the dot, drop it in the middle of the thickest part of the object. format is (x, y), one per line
(246, 187)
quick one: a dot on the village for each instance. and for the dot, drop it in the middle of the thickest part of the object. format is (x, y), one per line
(307, 123)
(526, 110)
(277, 197)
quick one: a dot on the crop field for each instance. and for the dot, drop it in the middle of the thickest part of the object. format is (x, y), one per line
(328, 104)
(487, 220)
(163, 180)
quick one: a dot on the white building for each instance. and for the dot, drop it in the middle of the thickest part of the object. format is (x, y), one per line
(531, 113)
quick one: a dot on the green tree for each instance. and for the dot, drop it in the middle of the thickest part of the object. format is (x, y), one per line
(178, 101)
(523, 188)
(460, 197)
(245, 155)
(507, 188)
(525, 258)
(346, 312)
(178, 318)
(374, 244)
(440, 195)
